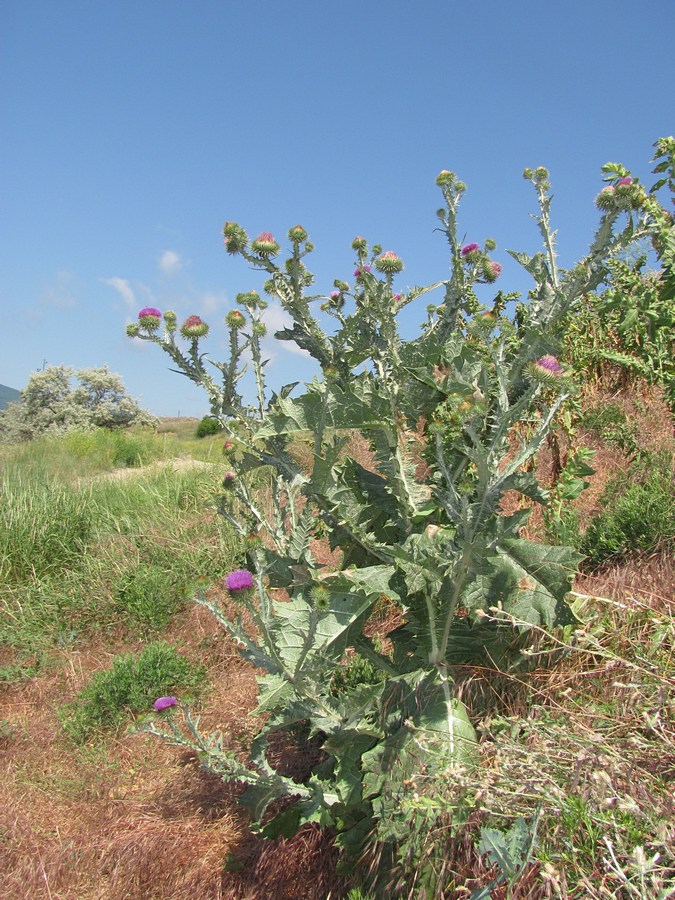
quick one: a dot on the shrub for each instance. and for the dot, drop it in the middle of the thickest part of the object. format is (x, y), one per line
(639, 512)
(49, 404)
(208, 426)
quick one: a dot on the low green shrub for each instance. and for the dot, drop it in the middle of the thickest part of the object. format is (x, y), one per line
(130, 687)
(639, 512)
(208, 426)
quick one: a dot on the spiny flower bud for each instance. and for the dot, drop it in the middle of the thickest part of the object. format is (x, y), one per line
(170, 319)
(235, 319)
(528, 173)
(489, 245)
(133, 329)
(389, 263)
(229, 479)
(490, 270)
(149, 318)
(297, 234)
(235, 237)
(320, 598)
(360, 245)
(228, 447)
(194, 327)
(341, 285)
(605, 199)
(265, 244)
(445, 178)
(259, 329)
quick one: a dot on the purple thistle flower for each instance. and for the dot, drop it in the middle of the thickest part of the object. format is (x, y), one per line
(358, 271)
(625, 181)
(150, 311)
(469, 248)
(229, 479)
(550, 364)
(164, 703)
(239, 580)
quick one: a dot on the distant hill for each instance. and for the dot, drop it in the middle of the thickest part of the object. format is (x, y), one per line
(8, 395)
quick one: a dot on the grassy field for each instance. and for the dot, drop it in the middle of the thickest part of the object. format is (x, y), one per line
(105, 538)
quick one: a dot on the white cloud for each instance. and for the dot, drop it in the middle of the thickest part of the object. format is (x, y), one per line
(276, 318)
(170, 263)
(60, 293)
(210, 303)
(123, 288)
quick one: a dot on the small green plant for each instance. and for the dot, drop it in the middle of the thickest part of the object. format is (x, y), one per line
(129, 688)
(209, 425)
(639, 512)
(510, 851)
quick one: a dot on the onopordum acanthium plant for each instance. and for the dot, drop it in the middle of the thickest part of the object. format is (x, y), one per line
(420, 524)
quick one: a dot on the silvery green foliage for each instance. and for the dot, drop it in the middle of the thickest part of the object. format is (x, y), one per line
(59, 399)
(452, 417)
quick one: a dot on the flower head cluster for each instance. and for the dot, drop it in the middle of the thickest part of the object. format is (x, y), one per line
(162, 703)
(194, 327)
(265, 244)
(239, 580)
(625, 194)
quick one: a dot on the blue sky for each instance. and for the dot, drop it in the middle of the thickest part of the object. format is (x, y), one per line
(132, 130)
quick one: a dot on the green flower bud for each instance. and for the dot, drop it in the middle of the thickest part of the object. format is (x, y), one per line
(259, 329)
(490, 245)
(320, 598)
(265, 244)
(133, 329)
(170, 320)
(235, 319)
(297, 234)
(360, 245)
(194, 327)
(389, 263)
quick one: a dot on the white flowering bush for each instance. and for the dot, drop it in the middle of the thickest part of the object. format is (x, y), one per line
(452, 417)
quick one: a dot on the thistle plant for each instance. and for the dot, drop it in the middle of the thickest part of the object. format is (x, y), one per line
(421, 524)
